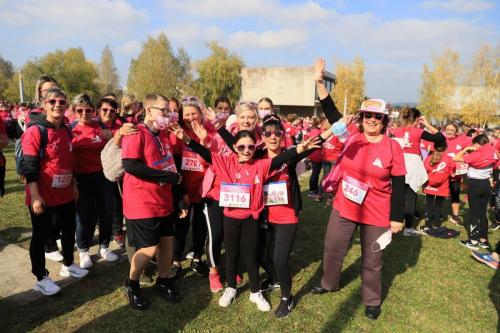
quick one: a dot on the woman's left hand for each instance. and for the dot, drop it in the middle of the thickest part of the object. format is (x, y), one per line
(396, 226)
(313, 142)
(199, 130)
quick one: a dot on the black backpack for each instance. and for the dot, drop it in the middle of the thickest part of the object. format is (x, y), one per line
(18, 148)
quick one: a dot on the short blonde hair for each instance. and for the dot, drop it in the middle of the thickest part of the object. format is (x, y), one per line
(247, 106)
(127, 103)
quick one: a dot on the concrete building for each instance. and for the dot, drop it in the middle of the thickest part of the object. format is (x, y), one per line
(292, 89)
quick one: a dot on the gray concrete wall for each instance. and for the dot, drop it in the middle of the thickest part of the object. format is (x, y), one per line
(284, 85)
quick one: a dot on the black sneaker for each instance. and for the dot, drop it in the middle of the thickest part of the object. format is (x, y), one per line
(175, 272)
(134, 295)
(484, 245)
(372, 312)
(285, 307)
(469, 244)
(199, 267)
(268, 285)
(166, 289)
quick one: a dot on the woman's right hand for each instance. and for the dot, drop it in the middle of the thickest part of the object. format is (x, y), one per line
(179, 132)
(199, 130)
(319, 69)
(37, 204)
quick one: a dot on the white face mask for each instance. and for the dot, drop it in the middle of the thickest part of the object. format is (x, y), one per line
(263, 113)
(382, 242)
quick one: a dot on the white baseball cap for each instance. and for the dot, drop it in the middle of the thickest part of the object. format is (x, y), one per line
(374, 105)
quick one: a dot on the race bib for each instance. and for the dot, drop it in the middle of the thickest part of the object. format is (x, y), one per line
(354, 190)
(166, 164)
(461, 168)
(276, 193)
(60, 181)
(234, 195)
(191, 164)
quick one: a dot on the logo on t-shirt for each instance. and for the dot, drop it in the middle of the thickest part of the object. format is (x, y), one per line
(377, 163)
(257, 180)
(96, 139)
(407, 143)
(458, 147)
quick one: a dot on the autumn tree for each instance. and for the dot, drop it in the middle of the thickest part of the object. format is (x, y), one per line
(349, 84)
(159, 69)
(108, 76)
(6, 74)
(219, 75)
(74, 73)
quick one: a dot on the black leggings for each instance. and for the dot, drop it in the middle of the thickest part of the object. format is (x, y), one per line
(455, 191)
(197, 219)
(65, 215)
(410, 205)
(314, 179)
(433, 207)
(276, 244)
(117, 209)
(478, 192)
(214, 217)
(243, 232)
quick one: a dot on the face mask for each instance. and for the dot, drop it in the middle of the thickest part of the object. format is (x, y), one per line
(382, 242)
(221, 115)
(263, 113)
(161, 122)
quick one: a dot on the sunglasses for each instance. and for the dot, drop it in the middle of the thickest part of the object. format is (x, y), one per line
(269, 134)
(108, 110)
(84, 110)
(53, 101)
(369, 115)
(241, 148)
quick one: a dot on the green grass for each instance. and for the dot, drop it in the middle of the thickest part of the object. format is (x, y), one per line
(429, 285)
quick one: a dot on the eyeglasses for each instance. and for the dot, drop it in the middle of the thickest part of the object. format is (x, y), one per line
(269, 134)
(53, 101)
(84, 110)
(164, 110)
(108, 110)
(369, 115)
(241, 148)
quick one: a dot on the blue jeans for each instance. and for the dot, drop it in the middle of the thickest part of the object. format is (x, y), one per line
(95, 203)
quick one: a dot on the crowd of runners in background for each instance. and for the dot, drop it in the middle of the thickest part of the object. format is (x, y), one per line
(148, 171)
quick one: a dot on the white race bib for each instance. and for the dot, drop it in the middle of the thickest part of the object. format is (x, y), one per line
(234, 195)
(60, 181)
(276, 193)
(354, 190)
(191, 164)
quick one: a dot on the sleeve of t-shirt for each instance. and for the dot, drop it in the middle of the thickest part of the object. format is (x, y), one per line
(472, 157)
(132, 146)
(31, 141)
(398, 161)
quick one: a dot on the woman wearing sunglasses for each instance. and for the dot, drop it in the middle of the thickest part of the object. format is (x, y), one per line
(242, 180)
(410, 134)
(370, 196)
(96, 192)
(50, 189)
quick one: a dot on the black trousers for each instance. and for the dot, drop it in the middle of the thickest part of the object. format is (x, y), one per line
(410, 205)
(214, 217)
(433, 207)
(276, 245)
(117, 209)
(245, 233)
(478, 192)
(314, 179)
(181, 229)
(41, 224)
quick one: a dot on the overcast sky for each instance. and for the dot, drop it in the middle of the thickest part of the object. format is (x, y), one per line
(395, 38)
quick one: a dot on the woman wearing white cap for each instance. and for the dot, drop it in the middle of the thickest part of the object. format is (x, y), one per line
(370, 196)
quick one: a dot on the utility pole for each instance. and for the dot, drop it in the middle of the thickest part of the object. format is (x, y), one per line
(21, 94)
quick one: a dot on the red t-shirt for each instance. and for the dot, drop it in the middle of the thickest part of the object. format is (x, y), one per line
(332, 149)
(482, 158)
(88, 143)
(317, 155)
(55, 169)
(3, 131)
(6, 117)
(254, 174)
(289, 134)
(282, 214)
(439, 175)
(454, 145)
(372, 164)
(411, 136)
(143, 198)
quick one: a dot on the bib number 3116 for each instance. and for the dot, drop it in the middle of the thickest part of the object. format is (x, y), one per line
(354, 190)
(234, 195)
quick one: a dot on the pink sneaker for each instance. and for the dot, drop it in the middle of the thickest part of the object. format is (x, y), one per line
(239, 279)
(215, 284)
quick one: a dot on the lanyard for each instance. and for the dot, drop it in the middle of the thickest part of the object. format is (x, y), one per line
(156, 139)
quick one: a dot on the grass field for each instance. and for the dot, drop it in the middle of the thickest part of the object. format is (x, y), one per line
(429, 285)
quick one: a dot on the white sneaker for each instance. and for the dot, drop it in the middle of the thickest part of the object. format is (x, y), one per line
(59, 244)
(85, 261)
(46, 286)
(108, 255)
(190, 255)
(73, 271)
(410, 232)
(54, 256)
(228, 296)
(261, 302)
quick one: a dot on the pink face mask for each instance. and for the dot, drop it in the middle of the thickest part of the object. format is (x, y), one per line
(263, 113)
(162, 122)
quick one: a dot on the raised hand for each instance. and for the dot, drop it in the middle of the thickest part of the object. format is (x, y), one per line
(309, 144)
(199, 130)
(210, 114)
(179, 132)
(319, 69)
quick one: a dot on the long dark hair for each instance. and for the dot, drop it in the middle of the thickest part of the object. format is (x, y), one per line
(243, 134)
